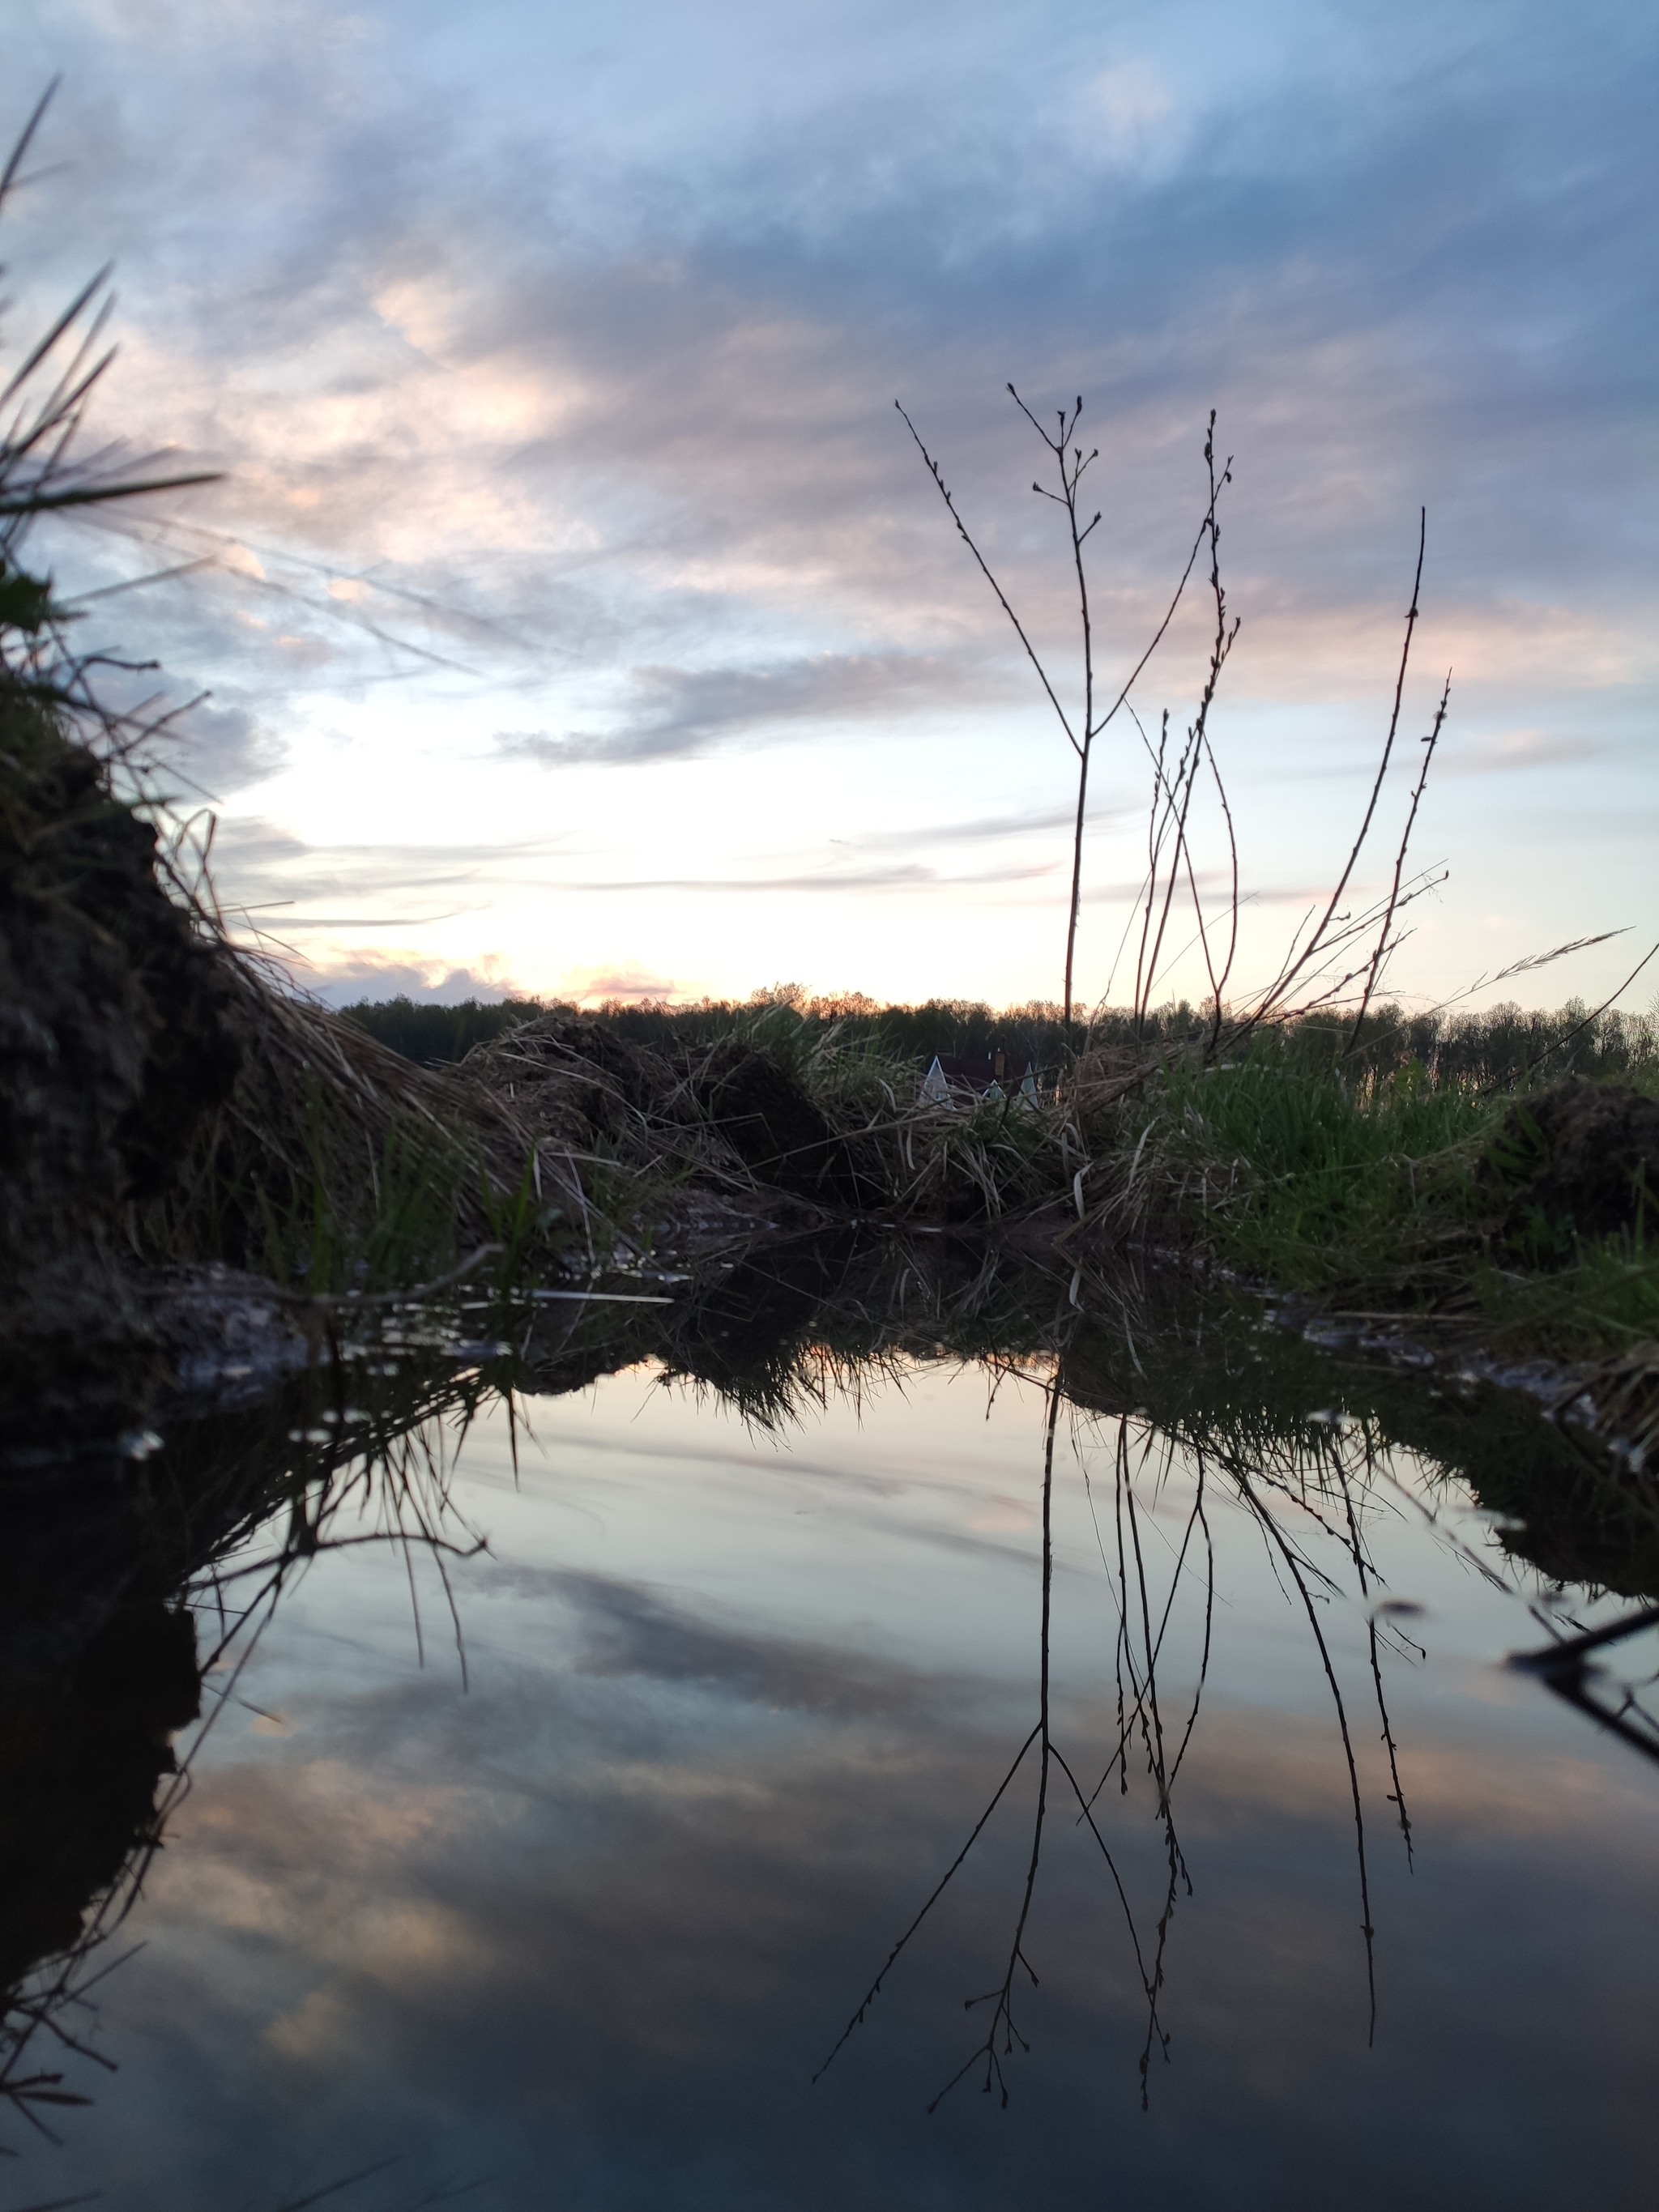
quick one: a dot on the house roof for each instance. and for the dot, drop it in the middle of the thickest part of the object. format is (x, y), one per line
(950, 1072)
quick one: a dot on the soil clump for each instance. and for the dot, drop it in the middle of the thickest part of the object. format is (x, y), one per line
(115, 1041)
(1583, 1162)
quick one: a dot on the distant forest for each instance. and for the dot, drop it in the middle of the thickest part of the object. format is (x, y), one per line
(966, 1027)
(1504, 1048)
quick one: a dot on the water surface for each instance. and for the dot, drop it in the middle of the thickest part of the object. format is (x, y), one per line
(560, 1887)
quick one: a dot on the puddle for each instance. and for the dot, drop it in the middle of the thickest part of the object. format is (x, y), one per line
(572, 1763)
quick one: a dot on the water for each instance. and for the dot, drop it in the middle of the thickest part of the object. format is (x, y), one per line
(565, 1897)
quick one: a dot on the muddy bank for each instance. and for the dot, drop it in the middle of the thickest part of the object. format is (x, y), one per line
(1579, 1161)
(116, 1043)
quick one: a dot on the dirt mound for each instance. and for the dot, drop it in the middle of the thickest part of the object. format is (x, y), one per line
(779, 1133)
(114, 1035)
(1579, 1162)
(576, 1081)
(721, 1108)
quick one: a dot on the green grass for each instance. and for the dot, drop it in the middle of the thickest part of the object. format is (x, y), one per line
(1607, 1302)
(329, 1233)
(1321, 1184)
(1387, 1195)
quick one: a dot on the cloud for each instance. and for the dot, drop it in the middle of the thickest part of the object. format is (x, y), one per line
(901, 875)
(344, 982)
(228, 747)
(689, 710)
(985, 828)
(626, 981)
(1500, 752)
(700, 409)
(259, 865)
(1131, 103)
(286, 922)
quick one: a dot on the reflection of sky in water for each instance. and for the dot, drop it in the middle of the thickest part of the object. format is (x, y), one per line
(583, 1935)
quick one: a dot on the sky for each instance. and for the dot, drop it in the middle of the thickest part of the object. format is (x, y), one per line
(577, 616)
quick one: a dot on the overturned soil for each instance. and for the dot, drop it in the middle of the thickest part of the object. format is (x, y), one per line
(115, 1040)
(1581, 1161)
(727, 1112)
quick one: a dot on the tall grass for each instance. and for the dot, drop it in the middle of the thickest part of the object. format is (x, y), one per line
(1315, 1182)
(1389, 1194)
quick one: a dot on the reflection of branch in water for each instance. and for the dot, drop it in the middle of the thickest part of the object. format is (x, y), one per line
(1329, 1467)
(1143, 1681)
(1003, 1995)
(1288, 1553)
(1314, 1464)
(1001, 2000)
(1002, 2014)
(1357, 1550)
(1001, 2033)
(1567, 1668)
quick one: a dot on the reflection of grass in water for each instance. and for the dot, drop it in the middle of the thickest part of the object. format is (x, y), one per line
(791, 1320)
